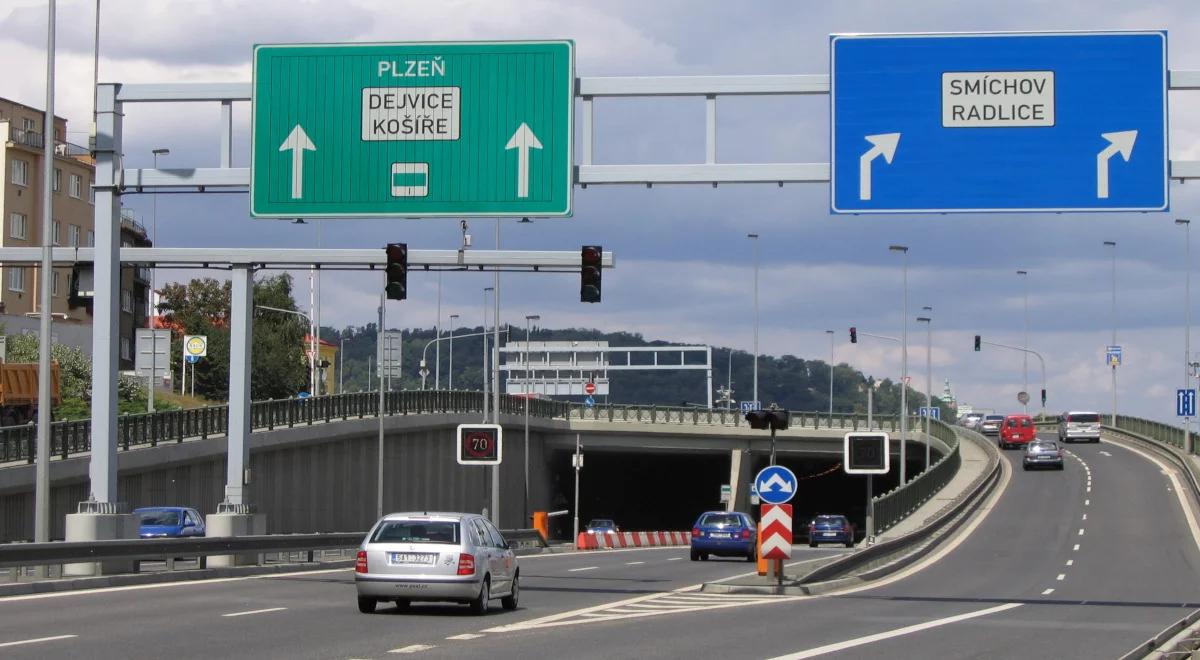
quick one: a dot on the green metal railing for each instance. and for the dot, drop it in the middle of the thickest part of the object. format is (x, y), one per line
(900, 502)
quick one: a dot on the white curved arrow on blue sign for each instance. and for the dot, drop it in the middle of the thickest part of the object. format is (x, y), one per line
(775, 484)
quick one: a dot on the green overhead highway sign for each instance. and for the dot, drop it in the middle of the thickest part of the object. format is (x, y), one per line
(413, 129)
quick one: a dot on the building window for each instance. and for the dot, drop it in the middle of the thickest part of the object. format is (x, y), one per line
(91, 238)
(57, 180)
(126, 354)
(126, 301)
(76, 186)
(28, 124)
(20, 172)
(91, 193)
(16, 279)
(54, 284)
(73, 234)
(16, 225)
(57, 233)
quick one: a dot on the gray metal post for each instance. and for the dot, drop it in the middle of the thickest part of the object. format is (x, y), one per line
(41, 490)
(1025, 356)
(708, 373)
(870, 514)
(102, 467)
(485, 371)
(578, 467)
(1187, 322)
(928, 384)
(437, 359)
(528, 319)
(1113, 245)
(830, 333)
(903, 368)
(870, 405)
(450, 368)
(379, 457)
(754, 237)
(241, 339)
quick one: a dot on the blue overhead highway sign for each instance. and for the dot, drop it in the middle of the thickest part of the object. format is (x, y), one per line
(999, 122)
(1185, 403)
(775, 484)
(750, 406)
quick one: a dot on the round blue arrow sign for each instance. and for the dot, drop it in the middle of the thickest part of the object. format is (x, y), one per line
(775, 484)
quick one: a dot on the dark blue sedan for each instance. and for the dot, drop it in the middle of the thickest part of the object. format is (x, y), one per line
(724, 534)
(169, 522)
(830, 529)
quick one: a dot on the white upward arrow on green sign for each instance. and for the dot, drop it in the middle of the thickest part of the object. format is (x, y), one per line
(523, 140)
(297, 141)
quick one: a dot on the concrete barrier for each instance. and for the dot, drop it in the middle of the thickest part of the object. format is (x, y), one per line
(588, 541)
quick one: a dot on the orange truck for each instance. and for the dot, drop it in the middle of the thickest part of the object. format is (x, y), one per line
(19, 391)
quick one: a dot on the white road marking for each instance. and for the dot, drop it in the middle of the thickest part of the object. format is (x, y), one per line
(1179, 493)
(1081, 531)
(269, 609)
(1089, 489)
(878, 637)
(1061, 577)
(1070, 562)
(1076, 548)
(163, 585)
(1104, 453)
(675, 559)
(1047, 592)
(1085, 516)
(634, 563)
(1087, 502)
(465, 636)
(412, 648)
(37, 640)
(585, 568)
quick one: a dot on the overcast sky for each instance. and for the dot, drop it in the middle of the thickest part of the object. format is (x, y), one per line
(685, 268)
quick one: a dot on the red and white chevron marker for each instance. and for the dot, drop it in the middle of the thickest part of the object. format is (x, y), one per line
(776, 531)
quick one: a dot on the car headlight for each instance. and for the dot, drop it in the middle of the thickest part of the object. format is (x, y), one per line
(591, 531)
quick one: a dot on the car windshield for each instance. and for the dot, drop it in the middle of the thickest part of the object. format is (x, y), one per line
(159, 517)
(417, 531)
(721, 519)
(829, 520)
(1043, 446)
(993, 418)
(1086, 418)
(601, 522)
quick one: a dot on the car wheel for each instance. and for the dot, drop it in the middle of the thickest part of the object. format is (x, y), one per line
(703, 556)
(849, 544)
(812, 544)
(695, 556)
(1026, 467)
(510, 601)
(479, 605)
(366, 605)
(403, 604)
(751, 556)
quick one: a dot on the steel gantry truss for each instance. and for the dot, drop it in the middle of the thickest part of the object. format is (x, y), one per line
(114, 180)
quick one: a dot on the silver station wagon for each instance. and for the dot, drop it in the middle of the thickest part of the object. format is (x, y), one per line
(456, 557)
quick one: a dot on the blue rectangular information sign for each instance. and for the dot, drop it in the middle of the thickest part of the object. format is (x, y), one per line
(999, 122)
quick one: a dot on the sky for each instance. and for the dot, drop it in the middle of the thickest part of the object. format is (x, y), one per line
(685, 269)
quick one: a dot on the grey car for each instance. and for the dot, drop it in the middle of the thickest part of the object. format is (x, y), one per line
(1077, 425)
(990, 424)
(1043, 453)
(423, 556)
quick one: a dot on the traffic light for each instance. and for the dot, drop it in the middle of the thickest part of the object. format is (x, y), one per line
(853, 335)
(768, 419)
(1043, 397)
(590, 261)
(397, 271)
(977, 343)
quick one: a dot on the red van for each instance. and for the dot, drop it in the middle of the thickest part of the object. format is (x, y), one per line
(1017, 430)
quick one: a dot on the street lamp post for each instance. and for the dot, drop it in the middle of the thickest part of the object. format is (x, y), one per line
(528, 319)
(830, 333)
(486, 370)
(928, 321)
(903, 250)
(161, 151)
(437, 359)
(754, 238)
(1024, 275)
(342, 365)
(450, 369)
(1187, 322)
(1113, 245)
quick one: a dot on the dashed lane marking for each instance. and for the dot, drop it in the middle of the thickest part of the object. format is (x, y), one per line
(675, 558)
(1081, 531)
(1047, 592)
(584, 568)
(1061, 577)
(36, 640)
(465, 636)
(1087, 502)
(634, 563)
(1070, 562)
(1085, 516)
(412, 648)
(248, 613)
(1076, 548)
(1104, 453)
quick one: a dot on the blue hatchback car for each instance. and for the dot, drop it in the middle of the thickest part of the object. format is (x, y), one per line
(724, 534)
(169, 522)
(827, 528)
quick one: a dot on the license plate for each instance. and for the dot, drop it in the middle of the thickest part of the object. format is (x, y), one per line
(413, 558)
(720, 535)
(829, 534)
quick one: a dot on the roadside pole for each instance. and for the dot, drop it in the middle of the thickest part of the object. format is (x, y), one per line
(379, 470)
(578, 462)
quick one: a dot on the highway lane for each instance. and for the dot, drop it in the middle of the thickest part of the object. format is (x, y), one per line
(1017, 587)
(319, 619)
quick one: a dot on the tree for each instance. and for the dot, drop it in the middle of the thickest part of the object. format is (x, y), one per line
(202, 307)
(75, 378)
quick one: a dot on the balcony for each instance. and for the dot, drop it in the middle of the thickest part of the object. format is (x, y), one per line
(35, 140)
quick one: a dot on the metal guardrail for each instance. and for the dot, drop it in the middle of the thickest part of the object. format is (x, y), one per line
(68, 438)
(896, 505)
(70, 552)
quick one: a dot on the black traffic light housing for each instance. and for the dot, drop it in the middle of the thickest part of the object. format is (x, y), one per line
(590, 273)
(853, 335)
(977, 340)
(776, 420)
(397, 271)
(1043, 397)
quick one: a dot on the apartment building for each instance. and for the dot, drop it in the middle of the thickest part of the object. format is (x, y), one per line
(22, 136)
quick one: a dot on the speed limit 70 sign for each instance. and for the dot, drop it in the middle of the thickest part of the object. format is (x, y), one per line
(866, 453)
(479, 444)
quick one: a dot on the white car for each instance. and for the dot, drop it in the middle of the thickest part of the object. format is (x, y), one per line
(456, 557)
(1079, 425)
